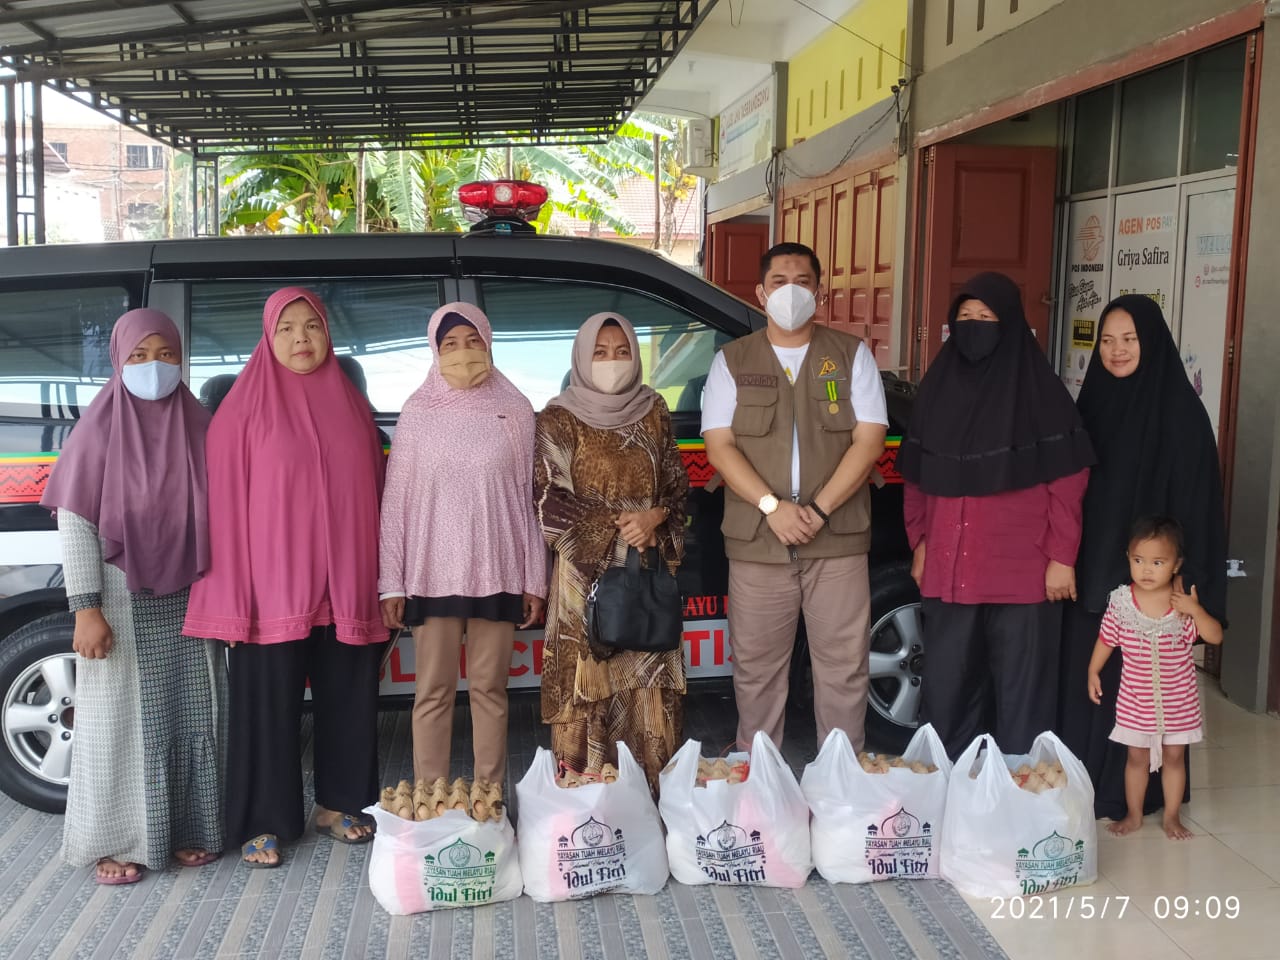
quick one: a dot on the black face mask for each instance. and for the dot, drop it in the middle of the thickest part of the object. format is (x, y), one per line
(975, 339)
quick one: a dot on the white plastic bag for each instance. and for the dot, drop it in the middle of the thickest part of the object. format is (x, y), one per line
(448, 861)
(755, 832)
(596, 838)
(876, 826)
(999, 840)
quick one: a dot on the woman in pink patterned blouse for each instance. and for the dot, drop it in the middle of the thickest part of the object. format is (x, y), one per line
(461, 550)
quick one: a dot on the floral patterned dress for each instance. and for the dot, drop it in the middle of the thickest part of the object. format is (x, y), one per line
(583, 478)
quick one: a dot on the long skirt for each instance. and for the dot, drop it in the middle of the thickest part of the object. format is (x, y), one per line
(147, 760)
(1086, 727)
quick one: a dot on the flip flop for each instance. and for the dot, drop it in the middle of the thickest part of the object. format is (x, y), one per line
(122, 878)
(206, 857)
(260, 844)
(338, 829)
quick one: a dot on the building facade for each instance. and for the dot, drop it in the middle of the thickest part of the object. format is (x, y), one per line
(1084, 147)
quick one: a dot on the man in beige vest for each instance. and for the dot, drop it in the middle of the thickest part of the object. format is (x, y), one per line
(794, 420)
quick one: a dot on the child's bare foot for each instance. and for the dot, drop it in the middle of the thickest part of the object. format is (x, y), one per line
(1127, 825)
(1174, 830)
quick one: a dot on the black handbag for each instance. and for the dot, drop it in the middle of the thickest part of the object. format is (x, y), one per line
(636, 608)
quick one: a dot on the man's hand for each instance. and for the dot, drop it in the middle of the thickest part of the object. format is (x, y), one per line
(93, 638)
(812, 520)
(1059, 582)
(393, 613)
(534, 608)
(917, 564)
(789, 524)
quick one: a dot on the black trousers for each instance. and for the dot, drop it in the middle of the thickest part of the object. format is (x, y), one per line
(1085, 727)
(264, 741)
(990, 668)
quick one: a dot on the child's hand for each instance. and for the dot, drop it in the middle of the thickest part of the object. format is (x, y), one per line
(1095, 688)
(1187, 604)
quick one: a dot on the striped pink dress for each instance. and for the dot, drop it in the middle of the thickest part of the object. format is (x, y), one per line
(1158, 701)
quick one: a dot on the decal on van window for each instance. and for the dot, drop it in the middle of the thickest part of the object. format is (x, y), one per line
(694, 455)
(23, 475)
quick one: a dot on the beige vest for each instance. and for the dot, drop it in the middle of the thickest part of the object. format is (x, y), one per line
(769, 411)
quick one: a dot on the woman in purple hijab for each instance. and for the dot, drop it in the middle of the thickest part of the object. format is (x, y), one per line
(129, 492)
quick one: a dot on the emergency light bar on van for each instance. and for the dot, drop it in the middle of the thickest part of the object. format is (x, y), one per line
(483, 199)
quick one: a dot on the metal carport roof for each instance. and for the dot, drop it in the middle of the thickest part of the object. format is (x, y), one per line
(214, 76)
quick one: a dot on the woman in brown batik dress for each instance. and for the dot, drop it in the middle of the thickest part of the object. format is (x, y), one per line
(607, 475)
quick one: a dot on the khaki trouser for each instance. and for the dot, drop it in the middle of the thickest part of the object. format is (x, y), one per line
(765, 603)
(436, 645)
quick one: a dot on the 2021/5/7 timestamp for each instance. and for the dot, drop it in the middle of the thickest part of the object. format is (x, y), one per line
(1182, 908)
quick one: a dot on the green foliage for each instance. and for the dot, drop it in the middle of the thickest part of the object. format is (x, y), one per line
(416, 190)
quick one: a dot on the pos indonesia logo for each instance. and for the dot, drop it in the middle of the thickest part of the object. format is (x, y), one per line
(728, 854)
(901, 846)
(592, 859)
(459, 874)
(1051, 864)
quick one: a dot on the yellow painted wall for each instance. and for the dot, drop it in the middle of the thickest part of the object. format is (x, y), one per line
(839, 75)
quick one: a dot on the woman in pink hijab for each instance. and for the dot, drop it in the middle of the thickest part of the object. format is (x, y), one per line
(462, 553)
(295, 473)
(129, 492)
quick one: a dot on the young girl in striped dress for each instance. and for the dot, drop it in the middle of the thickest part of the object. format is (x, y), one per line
(1154, 623)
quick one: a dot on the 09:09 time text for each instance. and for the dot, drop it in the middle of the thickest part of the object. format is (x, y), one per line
(1210, 907)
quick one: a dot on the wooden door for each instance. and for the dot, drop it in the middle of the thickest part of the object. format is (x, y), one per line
(861, 275)
(736, 249)
(988, 208)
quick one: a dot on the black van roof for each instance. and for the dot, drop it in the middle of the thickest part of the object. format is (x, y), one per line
(453, 254)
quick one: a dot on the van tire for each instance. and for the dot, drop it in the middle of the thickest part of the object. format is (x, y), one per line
(895, 626)
(39, 643)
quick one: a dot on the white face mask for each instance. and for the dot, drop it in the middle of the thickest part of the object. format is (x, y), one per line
(151, 381)
(610, 376)
(791, 306)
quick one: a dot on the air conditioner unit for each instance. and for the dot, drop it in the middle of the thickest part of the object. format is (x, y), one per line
(699, 150)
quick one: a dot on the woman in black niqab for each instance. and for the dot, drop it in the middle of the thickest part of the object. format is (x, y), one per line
(1156, 455)
(991, 415)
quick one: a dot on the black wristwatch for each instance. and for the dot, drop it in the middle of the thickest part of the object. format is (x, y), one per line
(813, 505)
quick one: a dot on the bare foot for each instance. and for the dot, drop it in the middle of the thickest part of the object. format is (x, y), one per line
(1125, 826)
(261, 849)
(115, 871)
(326, 818)
(194, 857)
(1174, 830)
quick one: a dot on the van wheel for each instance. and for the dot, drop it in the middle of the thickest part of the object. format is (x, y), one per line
(897, 659)
(37, 712)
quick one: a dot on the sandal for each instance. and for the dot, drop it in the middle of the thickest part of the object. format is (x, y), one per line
(122, 878)
(348, 821)
(261, 844)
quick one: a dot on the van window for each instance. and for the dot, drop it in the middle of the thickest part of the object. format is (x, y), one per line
(380, 323)
(55, 348)
(534, 322)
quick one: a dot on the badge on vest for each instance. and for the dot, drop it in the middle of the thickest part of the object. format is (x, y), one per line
(758, 380)
(828, 367)
(833, 406)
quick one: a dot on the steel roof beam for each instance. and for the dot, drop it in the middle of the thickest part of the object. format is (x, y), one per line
(250, 49)
(198, 33)
(383, 81)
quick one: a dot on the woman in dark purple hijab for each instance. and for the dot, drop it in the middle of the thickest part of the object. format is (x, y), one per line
(129, 493)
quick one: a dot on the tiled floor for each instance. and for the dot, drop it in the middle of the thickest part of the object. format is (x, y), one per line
(1235, 813)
